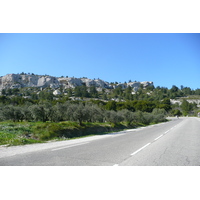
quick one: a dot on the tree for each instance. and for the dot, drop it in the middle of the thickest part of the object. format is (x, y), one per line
(69, 92)
(165, 104)
(157, 111)
(81, 91)
(176, 112)
(113, 117)
(144, 106)
(34, 96)
(111, 105)
(95, 113)
(93, 92)
(182, 87)
(150, 88)
(4, 99)
(187, 91)
(3, 92)
(127, 115)
(9, 91)
(174, 89)
(186, 107)
(15, 91)
(127, 93)
(41, 112)
(11, 112)
(46, 95)
(104, 96)
(117, 92)
(26, 113)
(78, 113)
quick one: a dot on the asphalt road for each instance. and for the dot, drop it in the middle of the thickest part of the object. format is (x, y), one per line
(174, 143)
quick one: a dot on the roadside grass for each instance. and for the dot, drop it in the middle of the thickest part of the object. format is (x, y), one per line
(15, 134)
(21, 133)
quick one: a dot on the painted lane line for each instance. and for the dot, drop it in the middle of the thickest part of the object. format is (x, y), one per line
(140, 149)
(116, 165)
(65, 147)
(170, 129)
(116, 135)
(158, 137)
(167, 131)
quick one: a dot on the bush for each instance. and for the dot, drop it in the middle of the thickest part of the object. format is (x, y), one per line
(113, 116)
(11, 113)
(127, 115)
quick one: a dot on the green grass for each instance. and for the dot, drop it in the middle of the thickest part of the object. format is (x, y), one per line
(20, 133)
(16, 133)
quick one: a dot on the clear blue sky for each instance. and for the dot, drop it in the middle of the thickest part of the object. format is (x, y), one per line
(166, 59)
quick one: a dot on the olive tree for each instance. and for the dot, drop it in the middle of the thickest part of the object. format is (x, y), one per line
(127, 115)
(41, 112)
(11, 112)
(78, 112)
(112, 116)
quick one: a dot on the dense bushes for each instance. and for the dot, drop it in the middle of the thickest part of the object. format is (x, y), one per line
(79, 112)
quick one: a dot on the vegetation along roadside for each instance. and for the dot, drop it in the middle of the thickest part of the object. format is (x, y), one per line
(17, 132)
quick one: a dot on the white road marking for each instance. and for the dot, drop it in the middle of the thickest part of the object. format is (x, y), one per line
(170, 129)
(117, 135)
(166, 131)
(140, 149)
(116, 165)
(69, 146)
(158, 137)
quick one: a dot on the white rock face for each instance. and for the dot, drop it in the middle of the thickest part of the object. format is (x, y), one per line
(136, 85)
(96, 82)
(70, 82)
(172, 101)
(197, 101)
(147, 83)
(57, 92)
(20, 81)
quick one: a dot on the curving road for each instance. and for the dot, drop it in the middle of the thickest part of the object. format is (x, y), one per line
(174, 143)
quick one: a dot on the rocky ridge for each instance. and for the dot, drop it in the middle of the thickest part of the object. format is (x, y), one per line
(42, 81)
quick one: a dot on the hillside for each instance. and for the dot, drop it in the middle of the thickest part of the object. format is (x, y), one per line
(30, 89)
(66, 107)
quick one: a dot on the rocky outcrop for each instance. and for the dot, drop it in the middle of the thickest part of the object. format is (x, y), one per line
(18, 81)
(179, 101)
(26, 80)
(135, 85)
(57, 92)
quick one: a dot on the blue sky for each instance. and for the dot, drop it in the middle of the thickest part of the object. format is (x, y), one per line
(165, 58)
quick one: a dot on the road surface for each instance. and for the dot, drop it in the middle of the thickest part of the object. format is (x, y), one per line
(174, 143)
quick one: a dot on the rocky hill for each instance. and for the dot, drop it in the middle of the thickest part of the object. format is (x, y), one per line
(42, 81)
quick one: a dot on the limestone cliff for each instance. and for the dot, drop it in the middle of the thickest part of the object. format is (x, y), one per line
(26, 80)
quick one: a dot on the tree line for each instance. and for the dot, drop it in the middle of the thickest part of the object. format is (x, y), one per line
(148, 93)
(42, 105)
(79, 112)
